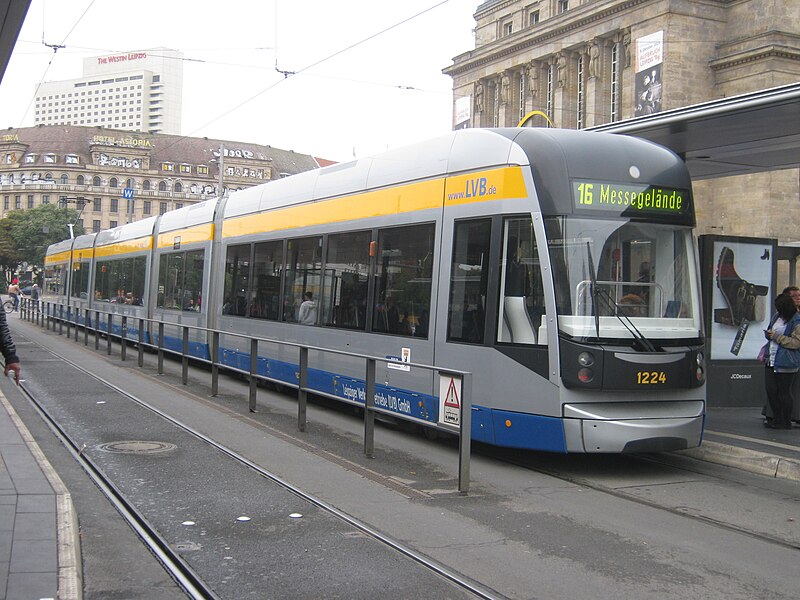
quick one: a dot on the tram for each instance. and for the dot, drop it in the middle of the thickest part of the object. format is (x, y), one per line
(558, 266)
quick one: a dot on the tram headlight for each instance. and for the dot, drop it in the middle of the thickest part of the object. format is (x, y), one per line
(585, 359)
(585, 375)
(699, 359)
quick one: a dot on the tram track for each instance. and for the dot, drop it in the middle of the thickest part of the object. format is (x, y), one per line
(498, 454)
(185, 576)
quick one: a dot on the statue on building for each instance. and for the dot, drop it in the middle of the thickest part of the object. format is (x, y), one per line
(594, 60)
(478, 96)
(533, 78)
(505, 88)
(561, 68)
(626, 44)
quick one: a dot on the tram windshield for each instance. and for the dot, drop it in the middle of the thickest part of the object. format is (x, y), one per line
(609, 274)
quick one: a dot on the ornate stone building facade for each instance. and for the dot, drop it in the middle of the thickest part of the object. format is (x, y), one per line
(580, 63)
(92, 167)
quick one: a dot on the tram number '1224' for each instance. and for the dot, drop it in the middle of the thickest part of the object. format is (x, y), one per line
(650, 377)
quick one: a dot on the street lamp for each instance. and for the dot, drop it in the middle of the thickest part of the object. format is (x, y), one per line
(221, 162)
(80, 201)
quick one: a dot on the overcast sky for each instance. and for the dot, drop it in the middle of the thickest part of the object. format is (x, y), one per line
(355, 62)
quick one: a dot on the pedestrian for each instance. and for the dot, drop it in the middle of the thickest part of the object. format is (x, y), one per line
(308, 310)
(783, 361)
(8, 349)
(13, 291)
(766, 411)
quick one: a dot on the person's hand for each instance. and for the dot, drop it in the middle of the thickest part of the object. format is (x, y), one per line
(15, 367)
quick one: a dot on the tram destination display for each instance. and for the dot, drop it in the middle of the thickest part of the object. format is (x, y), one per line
(630, 199)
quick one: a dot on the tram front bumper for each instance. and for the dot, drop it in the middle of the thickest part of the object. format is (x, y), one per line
(635, 427)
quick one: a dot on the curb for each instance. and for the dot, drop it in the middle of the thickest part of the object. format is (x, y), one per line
(68, 540)
(747, 460)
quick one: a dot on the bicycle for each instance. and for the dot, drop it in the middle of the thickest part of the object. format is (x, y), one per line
(8, 305)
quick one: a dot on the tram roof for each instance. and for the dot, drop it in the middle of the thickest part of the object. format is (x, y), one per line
(751, 133)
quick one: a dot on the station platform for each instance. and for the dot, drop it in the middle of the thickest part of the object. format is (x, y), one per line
(39, 551)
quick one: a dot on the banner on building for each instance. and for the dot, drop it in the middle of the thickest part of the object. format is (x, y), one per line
(463, 112)
(649, 63)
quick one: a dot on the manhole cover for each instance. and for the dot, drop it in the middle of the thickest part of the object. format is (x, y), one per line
(137, 447)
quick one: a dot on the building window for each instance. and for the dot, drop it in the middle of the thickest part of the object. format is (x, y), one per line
(167, 167)
(49, 158)
(581, 108)
(64, 179)
(113, 182)
(186, 168)
(563, 6)
(96, 181)
(162, 186)
(114, 205)
(112, 224)
(46, 199)
(80, 180)
(146, 207)
(97, 205)
(146, 185)
(30, 158)
(162, 208)
(30, 200)
(129, 183)
(18, 202)
(533, 17)
(202, 170)
(71, 159)
(6, 202)
(615, 87)
(178, 186)
(508, 28)
(550, 91)
(96, 226)
(178, 205)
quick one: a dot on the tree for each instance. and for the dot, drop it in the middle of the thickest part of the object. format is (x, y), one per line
(26, 234)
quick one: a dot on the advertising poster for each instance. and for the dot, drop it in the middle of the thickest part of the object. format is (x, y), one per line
(649, 63)
(741, 297)
(463, 112)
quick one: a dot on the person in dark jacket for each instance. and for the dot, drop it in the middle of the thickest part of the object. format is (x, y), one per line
(8, 349)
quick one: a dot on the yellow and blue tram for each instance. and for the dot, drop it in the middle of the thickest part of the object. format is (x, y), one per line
(558, 266)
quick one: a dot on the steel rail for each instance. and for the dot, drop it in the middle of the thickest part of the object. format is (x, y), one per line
(161, 545)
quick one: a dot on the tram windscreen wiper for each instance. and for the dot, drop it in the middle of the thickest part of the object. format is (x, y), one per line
(593, 290)
(619, 312)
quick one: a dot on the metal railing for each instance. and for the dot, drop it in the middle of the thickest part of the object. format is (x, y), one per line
(51, 315)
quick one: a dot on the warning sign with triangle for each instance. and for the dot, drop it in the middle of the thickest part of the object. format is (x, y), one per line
(451, 398)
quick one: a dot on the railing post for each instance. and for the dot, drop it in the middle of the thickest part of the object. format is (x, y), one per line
(302, 394)
(369, 414)
(160, 347)
(86, 322)
(108, 331)
(253, 372)
(185, 356)
(123, 352)
(215, 363)
(465, 434)
(77, 320)
(140, 360)
(97, 330)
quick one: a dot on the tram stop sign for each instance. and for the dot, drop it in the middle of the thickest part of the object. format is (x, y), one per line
(450, 400)
(127, 193)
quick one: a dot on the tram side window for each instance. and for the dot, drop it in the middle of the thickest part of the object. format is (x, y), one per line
(303, 273)
(55, 280)
(80, 280)
(468, 281)
(344, 302)
(180, 280)
(521, 303)
(403, 280)
(267, 268)
(120, 281)
(237, 278)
